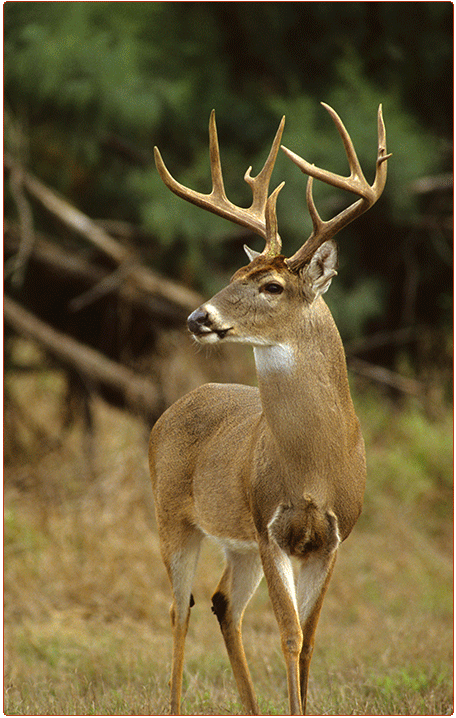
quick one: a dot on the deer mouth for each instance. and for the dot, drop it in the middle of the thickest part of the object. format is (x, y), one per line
(203, 328)
(221, 333)
(210, 335)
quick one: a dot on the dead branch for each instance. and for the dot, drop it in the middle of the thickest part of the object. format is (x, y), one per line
(436, 183)
(110, 283)
(138, 393)
(143, 278)
(51, 254)
(72, 217)
(386, 376)
(16, 265)
(97, 278)
(380, 339)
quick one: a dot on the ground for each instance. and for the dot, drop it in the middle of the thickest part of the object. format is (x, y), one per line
(86, 622)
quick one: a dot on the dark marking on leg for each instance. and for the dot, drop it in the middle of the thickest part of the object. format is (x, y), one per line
(192, 600)
(219, 606)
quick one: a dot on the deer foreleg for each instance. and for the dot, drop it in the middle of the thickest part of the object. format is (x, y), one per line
(181, 566)
(179, 634)
(237, 585)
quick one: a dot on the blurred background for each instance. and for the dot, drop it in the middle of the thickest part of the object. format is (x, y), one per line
(102, 266)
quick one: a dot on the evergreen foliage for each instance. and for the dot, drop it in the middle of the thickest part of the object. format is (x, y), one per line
(90, 87)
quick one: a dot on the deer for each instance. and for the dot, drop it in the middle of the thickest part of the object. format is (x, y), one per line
(275, 474)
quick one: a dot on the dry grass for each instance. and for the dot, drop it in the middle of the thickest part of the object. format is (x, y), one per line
(86, 596)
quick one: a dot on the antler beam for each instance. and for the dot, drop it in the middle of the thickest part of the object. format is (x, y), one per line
(355, 182)
(260, 217)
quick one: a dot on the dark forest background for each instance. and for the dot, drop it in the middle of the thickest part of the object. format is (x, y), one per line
(91, 87)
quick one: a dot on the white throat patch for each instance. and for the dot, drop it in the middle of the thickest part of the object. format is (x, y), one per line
(276, 358)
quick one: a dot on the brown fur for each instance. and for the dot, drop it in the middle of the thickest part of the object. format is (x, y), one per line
(281, 467)
(303, 527)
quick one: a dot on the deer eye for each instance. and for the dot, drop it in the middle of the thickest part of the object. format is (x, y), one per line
(273, 288)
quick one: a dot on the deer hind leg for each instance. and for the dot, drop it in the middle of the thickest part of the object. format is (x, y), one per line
(239, 582)
(181, 567)
(313, 580)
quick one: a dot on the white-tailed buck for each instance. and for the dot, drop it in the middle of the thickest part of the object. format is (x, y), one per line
(275, 473)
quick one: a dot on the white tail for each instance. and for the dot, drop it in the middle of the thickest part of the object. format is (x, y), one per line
(275, 472)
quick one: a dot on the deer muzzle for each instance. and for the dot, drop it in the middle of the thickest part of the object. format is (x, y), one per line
(204, 327)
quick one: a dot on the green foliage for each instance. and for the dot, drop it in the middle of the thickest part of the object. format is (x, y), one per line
(91, 87)
(410, 457)
(21, 538)
(353, 306)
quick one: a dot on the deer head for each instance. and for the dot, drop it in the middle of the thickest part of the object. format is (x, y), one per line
(272, 283)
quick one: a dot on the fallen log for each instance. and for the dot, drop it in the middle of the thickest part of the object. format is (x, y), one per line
(96, 280)
(139, 393)
(385, 376)
(143, 278)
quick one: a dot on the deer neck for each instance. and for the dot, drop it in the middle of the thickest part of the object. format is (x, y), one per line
(304, 387)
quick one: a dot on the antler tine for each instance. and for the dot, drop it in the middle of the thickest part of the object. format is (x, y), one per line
(355, 182)
(260, 204)
(260, 217)
(273, 241)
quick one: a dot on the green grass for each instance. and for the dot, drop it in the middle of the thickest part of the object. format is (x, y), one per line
(86, 622)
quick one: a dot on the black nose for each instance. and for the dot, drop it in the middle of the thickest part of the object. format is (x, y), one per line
(197, 319)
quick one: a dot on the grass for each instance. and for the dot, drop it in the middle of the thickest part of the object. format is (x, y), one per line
(86, 623)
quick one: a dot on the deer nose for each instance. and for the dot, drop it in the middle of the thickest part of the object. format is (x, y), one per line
(198, 319)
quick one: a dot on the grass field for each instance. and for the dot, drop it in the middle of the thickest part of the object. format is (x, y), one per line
(86, 625)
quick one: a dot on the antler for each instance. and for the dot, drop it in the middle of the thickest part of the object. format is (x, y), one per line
(260, 217)
(356, 183)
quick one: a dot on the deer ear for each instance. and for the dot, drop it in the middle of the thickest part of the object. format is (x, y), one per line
(322, 267)
(251, 253)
